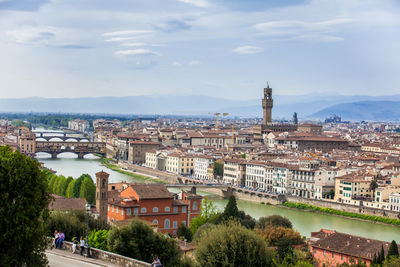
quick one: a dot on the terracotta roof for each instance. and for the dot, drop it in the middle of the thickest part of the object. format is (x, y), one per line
(63, 203)
(152, 191)
(348, 244)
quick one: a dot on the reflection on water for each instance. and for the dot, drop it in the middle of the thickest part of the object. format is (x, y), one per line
(305, 222)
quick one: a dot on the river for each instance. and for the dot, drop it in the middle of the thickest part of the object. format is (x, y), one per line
(304, 222)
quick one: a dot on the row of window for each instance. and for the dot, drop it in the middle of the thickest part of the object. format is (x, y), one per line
(167, 224)
(144, 210)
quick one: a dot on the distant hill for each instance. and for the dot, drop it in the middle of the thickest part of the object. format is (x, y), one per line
(363, 110)
(284, 105)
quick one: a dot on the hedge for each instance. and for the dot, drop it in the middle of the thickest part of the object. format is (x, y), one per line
(342, 213)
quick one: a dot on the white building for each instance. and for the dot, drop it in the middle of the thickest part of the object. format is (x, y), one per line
(234, 172)
(259, 176)
(394, 202)
(201, 163)
(79, 125)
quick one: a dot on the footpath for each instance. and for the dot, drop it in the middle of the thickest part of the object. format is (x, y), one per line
(62, 257)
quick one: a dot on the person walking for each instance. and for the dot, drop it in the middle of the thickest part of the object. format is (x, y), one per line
(75, 243)
(82, 245)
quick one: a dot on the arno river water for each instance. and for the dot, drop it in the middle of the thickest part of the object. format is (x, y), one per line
(304, 222)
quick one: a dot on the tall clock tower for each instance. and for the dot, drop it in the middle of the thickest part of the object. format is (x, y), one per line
(102, 194)
(267, 104)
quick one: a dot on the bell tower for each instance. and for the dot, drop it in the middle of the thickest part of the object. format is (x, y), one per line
(267, 104)
(102, 194)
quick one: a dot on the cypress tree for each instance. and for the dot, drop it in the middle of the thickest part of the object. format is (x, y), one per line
(374, 260)
(231, 209)
(393, 250)
(381, 256)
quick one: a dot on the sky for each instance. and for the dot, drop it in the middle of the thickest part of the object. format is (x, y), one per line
(222, 48)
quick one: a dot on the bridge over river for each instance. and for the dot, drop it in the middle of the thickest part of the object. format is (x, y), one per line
(79, 148)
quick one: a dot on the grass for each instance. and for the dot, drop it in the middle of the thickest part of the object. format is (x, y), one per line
(107, 162)
(303, 206)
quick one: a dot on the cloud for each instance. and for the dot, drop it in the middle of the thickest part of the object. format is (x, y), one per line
(73, 46)
(24, 5)
(32, 34)
(134, 44)
(121, 39)
(248, 49)
(198, 3)
(173, 25)
(296, 29)
(127, 32)
(136, 52)
(176, 64)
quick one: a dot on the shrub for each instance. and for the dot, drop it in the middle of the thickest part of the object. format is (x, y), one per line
(274, 220)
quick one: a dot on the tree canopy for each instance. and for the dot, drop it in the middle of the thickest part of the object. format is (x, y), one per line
(274, 220)
(393, 250)
(230, 244)
(24, 199)
(139, 241)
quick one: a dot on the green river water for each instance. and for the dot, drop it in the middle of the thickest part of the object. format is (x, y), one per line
(304, 222)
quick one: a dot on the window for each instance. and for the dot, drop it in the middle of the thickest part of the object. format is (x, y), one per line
(324, 252)
(155, 221)
(175, 224)
(112, 208)
(155, 209)
(333, 255)
(342, 256)
(143, 210)
(117, 210)
(167, 209)
(136, 210)
(175, 209)
(122, 211)
(166, 224)
(184, 209)
(315, 251)
(195, 205)
(108, 207)
(128, 211)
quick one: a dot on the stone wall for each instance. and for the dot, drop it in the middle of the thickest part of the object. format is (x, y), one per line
(110, 257)
(345, 207)
(255, 198)
(164, 176)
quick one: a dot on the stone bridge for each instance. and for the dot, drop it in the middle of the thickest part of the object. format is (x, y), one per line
(79, 148)
(63, 136)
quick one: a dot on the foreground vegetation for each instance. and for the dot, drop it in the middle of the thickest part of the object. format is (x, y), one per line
(303, 206)
(108, 163)
(24, 199)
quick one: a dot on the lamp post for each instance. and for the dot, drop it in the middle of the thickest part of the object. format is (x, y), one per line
(88, 206)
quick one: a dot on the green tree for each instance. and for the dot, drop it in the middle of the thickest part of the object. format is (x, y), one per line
(88, 190)
(24, 198)
(60, 185)
(137, 240)
(393, 250)
(373, 186)
(66, 184)
(184, 232)
(51, 182)
(274, 220)
(392, 262)
(77, 187)
(98, 239)
(231, 244)
(56, 184)
(231, 209)
(218, 168)
(208, 215)
(70, 189)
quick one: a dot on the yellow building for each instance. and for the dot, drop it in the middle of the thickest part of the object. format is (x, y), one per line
(352, 187)
(26, 141)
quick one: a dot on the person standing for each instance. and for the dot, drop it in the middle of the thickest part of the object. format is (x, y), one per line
(75, 243)
(82, 245)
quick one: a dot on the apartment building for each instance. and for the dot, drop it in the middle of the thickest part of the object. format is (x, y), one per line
(137, 150)
(352, 187)
(234, 171)
(259, 176)
(201, 164)
(79, 125)
(394, 201)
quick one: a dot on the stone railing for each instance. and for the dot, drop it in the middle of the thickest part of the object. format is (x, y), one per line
(110, 257)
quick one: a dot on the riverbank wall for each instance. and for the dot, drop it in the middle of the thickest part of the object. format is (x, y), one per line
(345, 207)
(173, 178)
